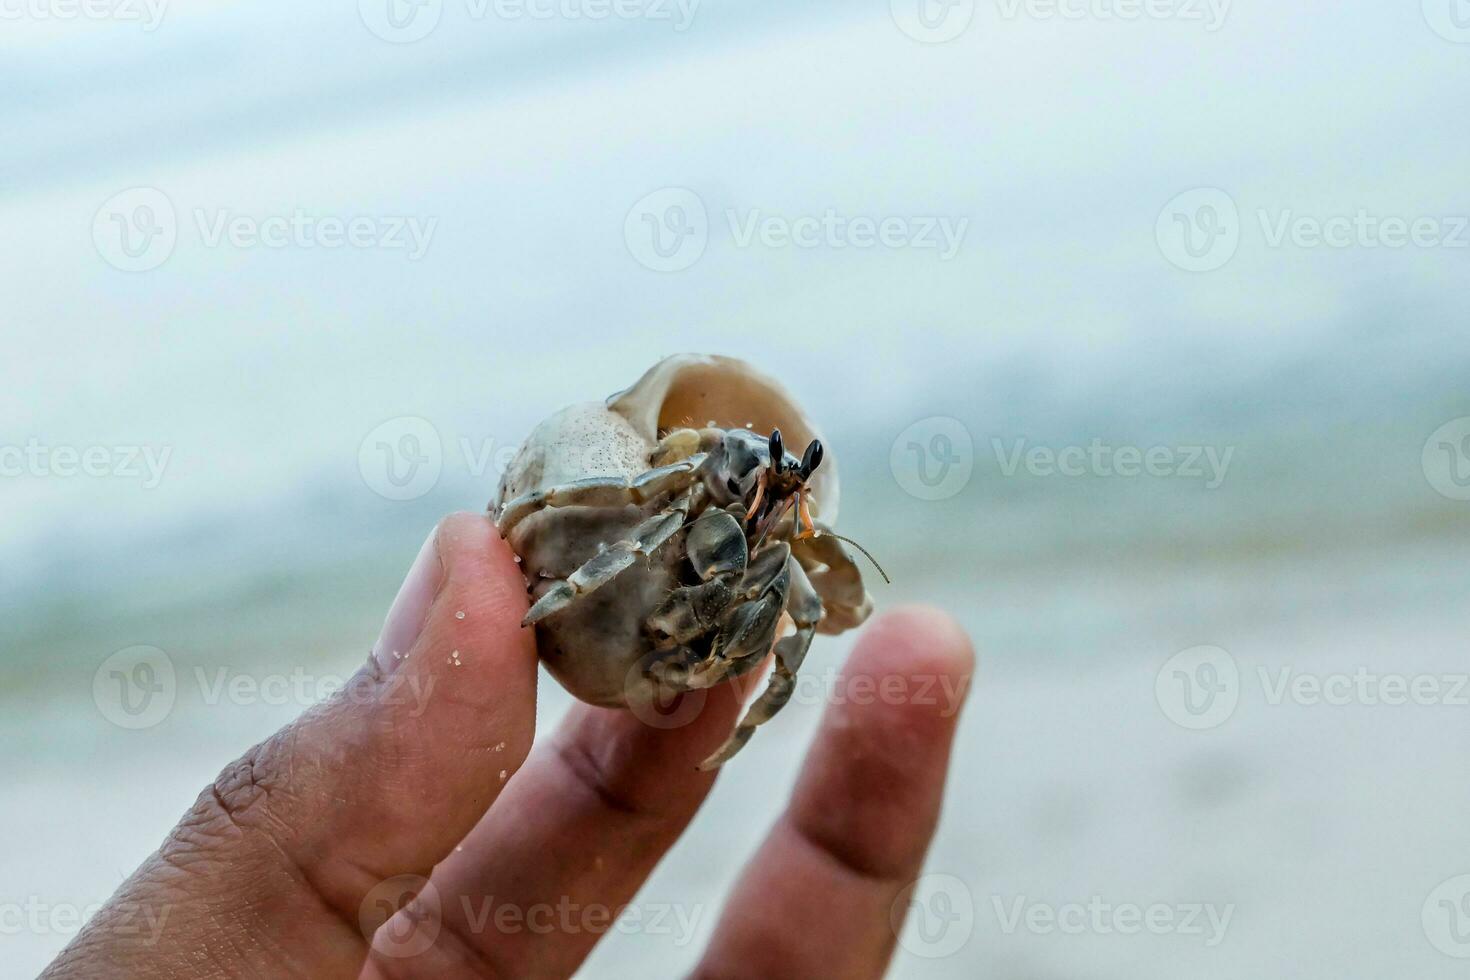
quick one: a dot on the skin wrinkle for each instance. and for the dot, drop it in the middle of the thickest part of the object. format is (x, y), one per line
(578, 762)
(241, 778)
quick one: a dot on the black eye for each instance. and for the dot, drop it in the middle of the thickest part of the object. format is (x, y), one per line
(778, 451)
(733, 487)
(811, 459)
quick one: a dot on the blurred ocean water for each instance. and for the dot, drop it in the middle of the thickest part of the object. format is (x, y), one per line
(266, 549)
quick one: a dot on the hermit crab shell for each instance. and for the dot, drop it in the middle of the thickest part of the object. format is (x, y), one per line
(597, 653)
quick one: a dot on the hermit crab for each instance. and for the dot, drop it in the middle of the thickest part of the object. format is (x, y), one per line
(670, 539)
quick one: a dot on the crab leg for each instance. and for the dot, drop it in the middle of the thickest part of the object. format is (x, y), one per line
(601, 568)
(715, 545)
(805, 608)
(748, 627)
(760, 493)
(604, 491)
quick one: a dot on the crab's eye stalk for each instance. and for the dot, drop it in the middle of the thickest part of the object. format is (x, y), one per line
(778, 451)
(811, 459)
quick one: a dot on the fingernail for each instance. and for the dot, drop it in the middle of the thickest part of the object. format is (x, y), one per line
(410, 607)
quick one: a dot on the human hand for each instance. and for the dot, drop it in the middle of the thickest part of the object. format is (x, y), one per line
(421, 768)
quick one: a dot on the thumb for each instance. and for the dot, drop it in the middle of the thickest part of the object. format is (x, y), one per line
(280, 865)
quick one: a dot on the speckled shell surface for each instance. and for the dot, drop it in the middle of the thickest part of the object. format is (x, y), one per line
(596, 649)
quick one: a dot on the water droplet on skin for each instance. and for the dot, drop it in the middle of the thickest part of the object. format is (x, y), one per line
(500, 747)
(503, 774)
(459, 615)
